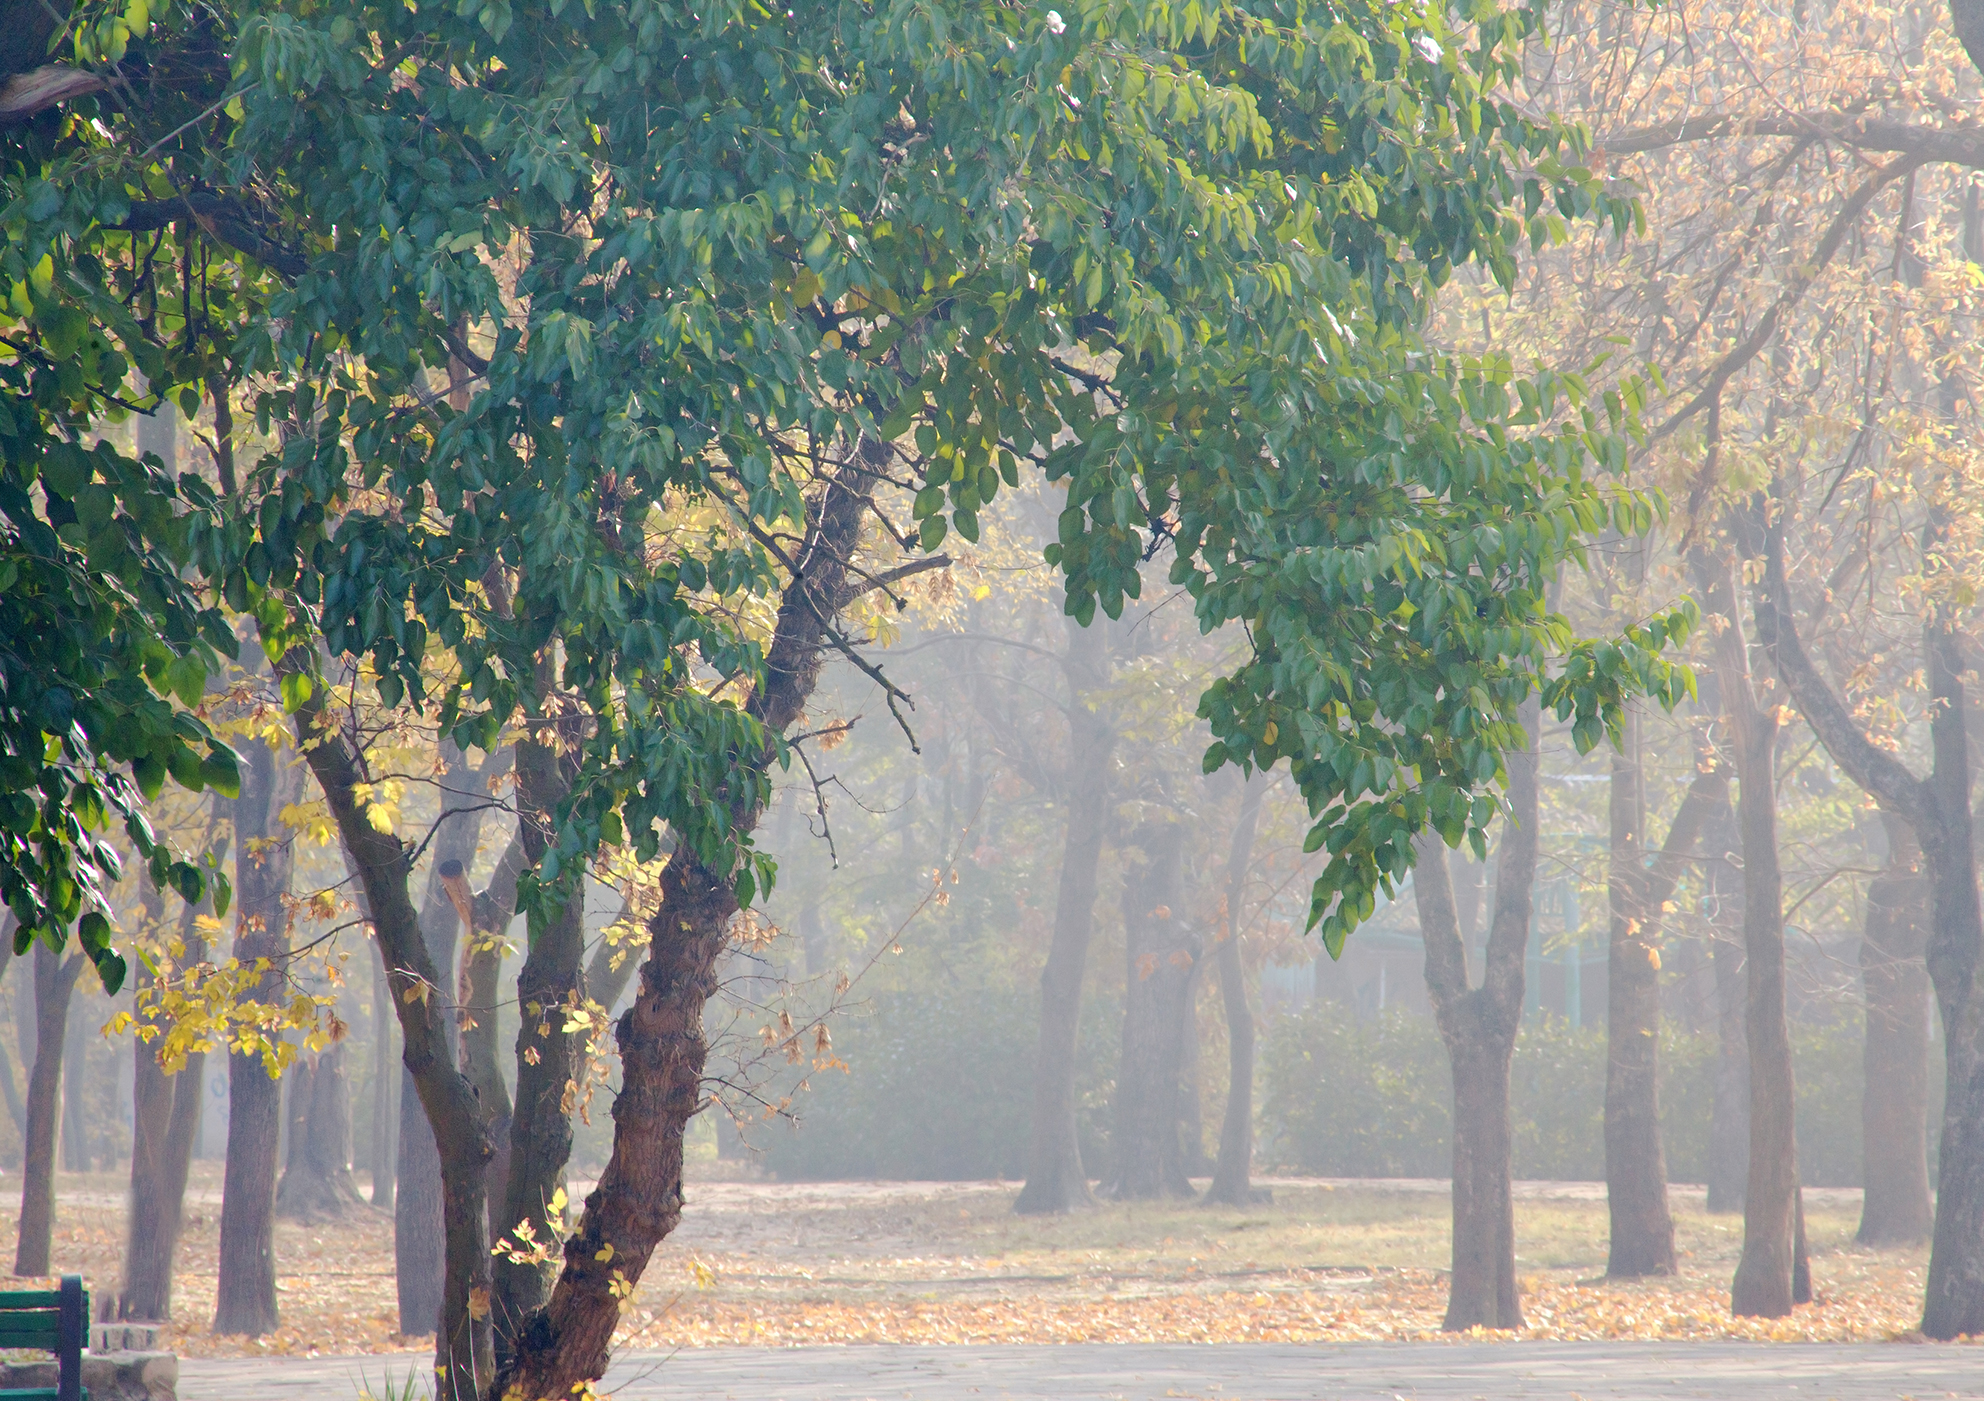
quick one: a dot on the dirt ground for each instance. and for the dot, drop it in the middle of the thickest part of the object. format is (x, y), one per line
(796, 1263)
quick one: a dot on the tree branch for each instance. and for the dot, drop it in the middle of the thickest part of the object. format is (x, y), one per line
(1794, 291)
(1875, 770)
(26, 95)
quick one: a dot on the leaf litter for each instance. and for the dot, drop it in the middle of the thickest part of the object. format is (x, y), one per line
(789, 1264)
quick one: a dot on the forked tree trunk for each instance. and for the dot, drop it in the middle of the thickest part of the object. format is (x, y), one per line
(1055, 1178)
(1161, 977)
(1635, 1158)
(1765, 1285)
(1478, 1026)
(54, 987)
(1894, 1106)
(1232, 1177)
(165, 1121)
(1729, 1115)
(263, 859)
(464, 1364)
(639, 1198)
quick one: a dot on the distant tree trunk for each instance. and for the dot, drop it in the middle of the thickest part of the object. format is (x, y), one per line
(1161, 959)
(1894, 1109)
(420, 1246)
(481, 1048)
(295, 1118)
(1729, 1122)
(317, 1184)
(75, 1136)
(1478, 1026)
(1764, 1286)
(1055, 1180)
(1232, 1177)
(263, 860)
(546, 1052)
(386, 1073)
(1642, 1240)
(165, 1119)
(54, 985)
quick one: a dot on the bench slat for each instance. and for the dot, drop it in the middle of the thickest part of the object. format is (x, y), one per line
(29, 1299)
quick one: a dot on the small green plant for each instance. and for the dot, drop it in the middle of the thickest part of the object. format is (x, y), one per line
(416, 1385)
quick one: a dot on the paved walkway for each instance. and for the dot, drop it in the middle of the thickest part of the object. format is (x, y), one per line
(1213, 1372)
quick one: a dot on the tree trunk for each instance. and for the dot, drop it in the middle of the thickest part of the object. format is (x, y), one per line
(1894, 1109)
(1055, 1180)
(385, 1097)
(1478, 1026)
(493, 910)
(463, 1361)
(1161, 976)
(1729, 1122)
(317, 1184)
(1635, 1158)
(54, 986)
(165, 1121)
(1764, 1284)
(564, 1346)
(548, 1055)
(263, 858)
(1232, 1175)
(1938, 810)
(421, 1258)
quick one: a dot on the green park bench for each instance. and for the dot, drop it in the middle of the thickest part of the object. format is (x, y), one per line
(51, 1320)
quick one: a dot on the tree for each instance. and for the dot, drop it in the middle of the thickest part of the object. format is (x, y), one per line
(165, 1122)
(1055, 1180)
(1162, 955)
(55, 977)
(1478, 1025)
(108, 643)
(1233, 1170)
(1642, 1236)
(1896, 1207)
(264, 859)
(764, 348)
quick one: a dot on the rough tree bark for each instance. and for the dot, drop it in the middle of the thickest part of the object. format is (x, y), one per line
(1894, 1110)
(1937, 809)
(1161, 957)
(564, 1346)
(1635, 1159)
(263, 860)
(1729, 1117)
(1766, 1277)
(1232, 1176)
(1478, 1026)
(165, 1121)
(421, 994)
(1055, 1179)
(54, 987)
